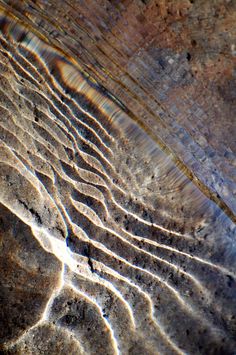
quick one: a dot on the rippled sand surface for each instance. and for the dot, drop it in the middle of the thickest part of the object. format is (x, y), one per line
(109, 242)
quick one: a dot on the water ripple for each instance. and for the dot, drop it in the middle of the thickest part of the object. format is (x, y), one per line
(147, 257)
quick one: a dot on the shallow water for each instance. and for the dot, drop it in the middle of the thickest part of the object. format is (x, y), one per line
(133, 253)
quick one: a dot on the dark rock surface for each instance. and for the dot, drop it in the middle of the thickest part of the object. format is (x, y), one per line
(28, 277)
